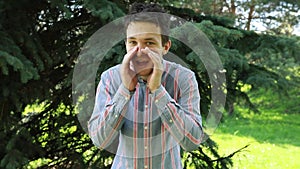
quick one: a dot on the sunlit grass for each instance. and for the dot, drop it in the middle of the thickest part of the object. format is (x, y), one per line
(259, 155)
(273, 135)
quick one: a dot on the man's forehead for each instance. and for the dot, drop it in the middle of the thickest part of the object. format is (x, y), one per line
(142, 28)
(144, 36)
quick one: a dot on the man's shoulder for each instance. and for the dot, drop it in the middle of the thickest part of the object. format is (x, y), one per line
(173, 67)
(114, 69)
(112, 72)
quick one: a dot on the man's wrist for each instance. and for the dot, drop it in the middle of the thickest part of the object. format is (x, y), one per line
(154, 89)
(132, 91)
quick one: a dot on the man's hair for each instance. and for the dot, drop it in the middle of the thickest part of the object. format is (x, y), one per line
(144, 12)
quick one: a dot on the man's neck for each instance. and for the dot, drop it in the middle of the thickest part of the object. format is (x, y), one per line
(144, 78)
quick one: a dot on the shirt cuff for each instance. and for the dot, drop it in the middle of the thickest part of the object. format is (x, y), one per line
(161, 98)
(121, 98)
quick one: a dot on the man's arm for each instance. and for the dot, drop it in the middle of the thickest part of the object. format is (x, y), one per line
(111, 102)
(110, 106)
(182, 118)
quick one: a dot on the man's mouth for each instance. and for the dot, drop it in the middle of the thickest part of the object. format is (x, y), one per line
(141, 63)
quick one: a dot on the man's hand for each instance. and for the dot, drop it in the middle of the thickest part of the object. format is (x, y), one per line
(128, 75)
(154, 79)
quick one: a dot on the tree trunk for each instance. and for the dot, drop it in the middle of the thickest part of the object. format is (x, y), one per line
(233, 7)
(250, 14)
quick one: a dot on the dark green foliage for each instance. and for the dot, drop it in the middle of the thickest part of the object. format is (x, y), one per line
(40, 42)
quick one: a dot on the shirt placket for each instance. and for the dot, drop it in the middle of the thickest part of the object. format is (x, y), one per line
(146, 129)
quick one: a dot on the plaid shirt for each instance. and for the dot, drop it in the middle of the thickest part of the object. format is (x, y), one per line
(147, 130)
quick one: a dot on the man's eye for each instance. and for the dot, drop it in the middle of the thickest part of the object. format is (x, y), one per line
(150, 43)
(132, 42)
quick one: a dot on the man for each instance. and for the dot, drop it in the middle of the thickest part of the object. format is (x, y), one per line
(146, 107)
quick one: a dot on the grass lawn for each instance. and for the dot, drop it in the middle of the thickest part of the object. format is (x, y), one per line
(273, 135)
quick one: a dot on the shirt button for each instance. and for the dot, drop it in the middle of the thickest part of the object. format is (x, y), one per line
(146, 106)
(170, 121)
(146, 147)
(156, 101)
(146, 166)
(116, 116)
(145, 127)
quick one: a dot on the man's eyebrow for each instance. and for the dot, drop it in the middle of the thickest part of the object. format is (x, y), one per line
(150, 39)
(131, 37)
(146, 39)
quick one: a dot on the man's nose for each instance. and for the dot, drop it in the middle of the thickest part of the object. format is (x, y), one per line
(139, 52)
(141, 46)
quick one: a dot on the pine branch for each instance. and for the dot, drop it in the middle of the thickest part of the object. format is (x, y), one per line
(230, 155)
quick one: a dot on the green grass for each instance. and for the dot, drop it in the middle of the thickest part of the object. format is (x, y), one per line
(273, 135)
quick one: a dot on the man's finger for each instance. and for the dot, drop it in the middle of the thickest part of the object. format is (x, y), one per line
(155, 57)
(148, 50)
(132, 52)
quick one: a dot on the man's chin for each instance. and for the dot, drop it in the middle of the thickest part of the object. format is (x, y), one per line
(145, 72)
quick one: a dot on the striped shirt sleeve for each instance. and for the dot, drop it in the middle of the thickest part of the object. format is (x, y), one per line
(109, 109)
(181, 118)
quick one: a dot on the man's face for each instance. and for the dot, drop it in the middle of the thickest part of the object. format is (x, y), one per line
(142, 35)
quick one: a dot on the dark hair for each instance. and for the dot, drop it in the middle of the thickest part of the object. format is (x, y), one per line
(143, 12)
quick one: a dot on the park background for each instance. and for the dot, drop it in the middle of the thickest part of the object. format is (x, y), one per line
(257, 41)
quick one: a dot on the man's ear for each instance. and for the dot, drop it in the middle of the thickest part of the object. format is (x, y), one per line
(167, 46)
